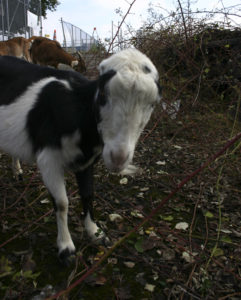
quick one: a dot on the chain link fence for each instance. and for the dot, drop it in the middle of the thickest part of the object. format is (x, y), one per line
(75, 38)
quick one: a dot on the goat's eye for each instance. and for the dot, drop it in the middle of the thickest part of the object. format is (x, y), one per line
(146, 70)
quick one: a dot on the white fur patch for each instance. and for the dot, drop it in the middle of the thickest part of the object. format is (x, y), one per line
(70, 149)
(64, 238)
(13, 136)
(129, 60)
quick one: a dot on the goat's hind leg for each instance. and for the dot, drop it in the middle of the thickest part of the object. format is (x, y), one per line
(53, 177)
(85, 183)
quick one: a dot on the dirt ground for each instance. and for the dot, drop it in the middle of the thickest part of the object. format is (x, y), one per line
(189, 249)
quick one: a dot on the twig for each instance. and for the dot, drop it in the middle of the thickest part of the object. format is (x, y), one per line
(183, 20)
(119, 27)
(192, 222)
(26, 228)
(229, 296)
(21, 196)
(219, 198)
(199, 85)
(190, 294)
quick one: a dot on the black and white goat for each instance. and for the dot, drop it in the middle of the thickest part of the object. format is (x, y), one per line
(59, 119)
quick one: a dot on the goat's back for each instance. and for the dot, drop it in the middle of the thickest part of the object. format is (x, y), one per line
(16, 75)
(39, 105)
(47, 52)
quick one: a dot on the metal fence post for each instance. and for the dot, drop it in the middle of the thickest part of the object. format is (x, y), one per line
(7, 18)
(2, 14)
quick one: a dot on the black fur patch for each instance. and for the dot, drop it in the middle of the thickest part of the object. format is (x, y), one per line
(104, 78)
(159, 89)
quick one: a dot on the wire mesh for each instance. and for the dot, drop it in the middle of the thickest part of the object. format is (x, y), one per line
(76, 39)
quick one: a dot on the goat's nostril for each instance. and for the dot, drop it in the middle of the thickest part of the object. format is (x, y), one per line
(118, 158)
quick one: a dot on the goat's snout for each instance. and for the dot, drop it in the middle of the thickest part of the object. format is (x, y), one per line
(119, 158)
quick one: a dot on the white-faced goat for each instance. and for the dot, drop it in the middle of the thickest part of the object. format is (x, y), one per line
(62, 120)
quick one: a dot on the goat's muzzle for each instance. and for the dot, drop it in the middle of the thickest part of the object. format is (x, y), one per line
(118, 159)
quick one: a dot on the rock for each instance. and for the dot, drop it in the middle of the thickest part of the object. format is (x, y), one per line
(115, 218)
(182, 226)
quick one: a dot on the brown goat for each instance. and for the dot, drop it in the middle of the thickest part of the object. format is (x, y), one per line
(50, 53)
(17, 46)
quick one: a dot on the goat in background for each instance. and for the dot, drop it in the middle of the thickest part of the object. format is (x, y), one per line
(47, 52)
(17, 46)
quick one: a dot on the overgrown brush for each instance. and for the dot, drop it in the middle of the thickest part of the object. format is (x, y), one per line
(199, 63)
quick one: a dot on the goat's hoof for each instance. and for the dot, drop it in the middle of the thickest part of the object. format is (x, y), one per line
(106, 241)
(67, 257)
(102, 240)
(20, 177)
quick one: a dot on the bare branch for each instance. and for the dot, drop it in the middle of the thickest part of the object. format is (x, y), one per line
(119, 27)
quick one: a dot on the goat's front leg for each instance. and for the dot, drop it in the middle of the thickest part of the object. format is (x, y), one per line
(86, 190)
(53, 177)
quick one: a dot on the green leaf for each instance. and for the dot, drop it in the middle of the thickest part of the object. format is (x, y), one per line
(47, 219)
(5, 265)
(5, 268)
(168, 218)
(138, 246)
(208, 214)
(178, 209)
(226, 239)
(218, 252)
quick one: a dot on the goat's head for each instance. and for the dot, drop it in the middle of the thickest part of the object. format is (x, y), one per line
(79, 66)
(128, 92)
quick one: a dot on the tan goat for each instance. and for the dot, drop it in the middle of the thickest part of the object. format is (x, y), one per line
(17, 46)
(50, 53)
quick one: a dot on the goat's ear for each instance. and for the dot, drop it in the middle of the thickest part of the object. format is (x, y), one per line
(104, 78)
